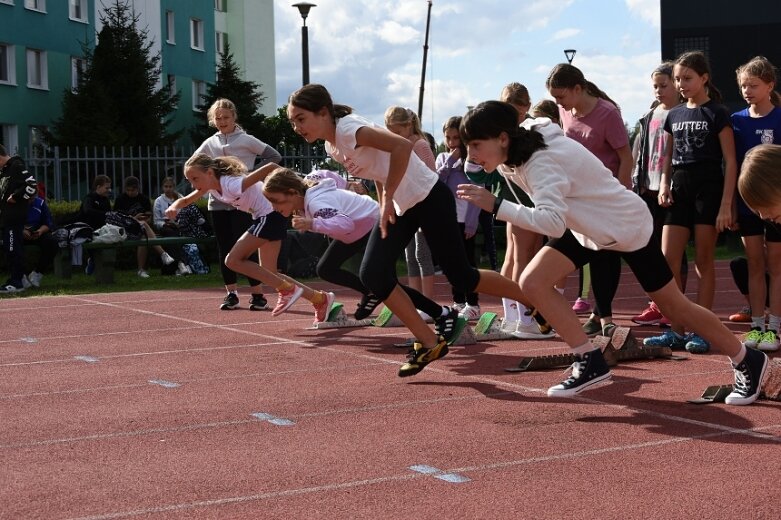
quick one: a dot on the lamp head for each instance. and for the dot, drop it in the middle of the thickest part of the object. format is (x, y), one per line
(570, 54)
(303, 8)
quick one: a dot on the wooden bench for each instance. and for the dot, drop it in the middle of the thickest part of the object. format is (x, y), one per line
(105, 255)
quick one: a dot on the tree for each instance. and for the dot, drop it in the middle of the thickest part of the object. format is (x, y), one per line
(117, 102)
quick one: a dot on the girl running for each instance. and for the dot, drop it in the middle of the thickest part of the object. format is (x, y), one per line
(578, 200)
(410, 198)
(226, 179)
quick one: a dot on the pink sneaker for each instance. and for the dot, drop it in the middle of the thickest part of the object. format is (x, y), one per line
(286, 299)
(322, 310)
(651, 316)
(581, 306)
(665, 322)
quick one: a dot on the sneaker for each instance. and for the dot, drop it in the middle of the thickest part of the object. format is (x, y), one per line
(458, 307)
(668, 338)
(183, 269)
(752, 338)
(322, 309)
(742, 316)
(509, 325)
(609, 329)
(470, 312)
(286, 299)
(592, 327)
(748, 378)
(581, 306)
(650, 316)
(166, 258)
(90, 269)
(530, 331)
(35, 278)
(588, 370)
(230, 302)
(425, 317)
(665, 322)
(366, 306)
(769, 341)
(26, 282)
(445, 325)
(142, 274)
(9, 288)
(257, 302)
(419, 357)
(695, 344)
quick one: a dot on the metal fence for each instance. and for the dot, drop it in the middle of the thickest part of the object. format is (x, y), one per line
(67, 172)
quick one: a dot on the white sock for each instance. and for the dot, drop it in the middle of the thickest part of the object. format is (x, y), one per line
(758, 322)
(773, 322)
(738, 359)
(525, 318)
(511, 310)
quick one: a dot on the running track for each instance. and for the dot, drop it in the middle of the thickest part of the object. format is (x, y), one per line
(156, 405)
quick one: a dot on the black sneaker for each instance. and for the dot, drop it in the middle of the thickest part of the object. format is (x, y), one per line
(588, 370)
(748, 378)
(368, 303)
(419, 357)
(446, 325)
(257, 302)
(230, 302)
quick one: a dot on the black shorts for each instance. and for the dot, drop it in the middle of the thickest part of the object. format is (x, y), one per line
(647, 263)
(750, 225)
(271, 227)
(697, 190)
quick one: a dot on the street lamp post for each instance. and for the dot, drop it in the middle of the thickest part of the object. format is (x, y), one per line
(570, 55)
(303, 8)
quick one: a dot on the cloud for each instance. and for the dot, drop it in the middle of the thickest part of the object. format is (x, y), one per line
(647, 10)
(395, 33)
(564, 34)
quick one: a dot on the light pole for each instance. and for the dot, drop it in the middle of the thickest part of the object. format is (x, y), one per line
(570, 55)
(303, 8)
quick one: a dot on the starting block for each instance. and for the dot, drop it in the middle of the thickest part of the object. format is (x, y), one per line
(489, 328)
(620, 346)
(338, 319)
(771, 387)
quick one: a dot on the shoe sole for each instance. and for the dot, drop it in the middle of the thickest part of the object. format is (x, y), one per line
(645, 322)
(768, 348)
(742, 401)
(553, 392)
(422, 364)
(258, 307)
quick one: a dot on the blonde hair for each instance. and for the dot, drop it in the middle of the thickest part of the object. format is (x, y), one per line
(758, 182)
(285, 180)
(220, 165)
(395, 115)
(211, 114)
(546, 108)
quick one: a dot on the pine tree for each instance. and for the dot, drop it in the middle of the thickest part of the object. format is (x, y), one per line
(117, 102)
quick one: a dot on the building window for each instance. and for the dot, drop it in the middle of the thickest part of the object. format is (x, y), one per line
(37, 74)
(77, 73)
(38, 144)
(219, 5)
(9, 2)
(10, 137)
(171, 83)
(36, 5)
(692, 43)
(199, 94)
(78, 11)
(196, 34)
(7, 64)
(221, 39)
(170, 28)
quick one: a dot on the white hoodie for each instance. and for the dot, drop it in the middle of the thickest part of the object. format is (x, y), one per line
(572, 189)
(341, 214)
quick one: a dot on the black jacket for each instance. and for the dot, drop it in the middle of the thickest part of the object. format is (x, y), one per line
(16, 183)
(93, 210)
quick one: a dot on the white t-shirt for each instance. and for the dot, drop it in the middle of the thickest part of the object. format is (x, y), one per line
(340, 214)
(251, 201)
(369, 163)
(572, 189)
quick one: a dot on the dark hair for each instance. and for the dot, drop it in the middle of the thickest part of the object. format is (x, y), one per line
(454, 123)
(490, 118)
(131, 182)
(698, 62)
(760, 67)
(314, 97)
(100, 180)
(565, 75)
(2, 150)
(547, 108)
(431, 141)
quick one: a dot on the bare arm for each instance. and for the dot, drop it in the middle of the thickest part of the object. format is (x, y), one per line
(625, 166)
(185, 201)
(258, 175)
(726, 216)
(665, 195)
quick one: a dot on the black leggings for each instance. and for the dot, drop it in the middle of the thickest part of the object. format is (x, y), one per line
(228, 227)
(436, 216)
(329, 268)
(469, 245)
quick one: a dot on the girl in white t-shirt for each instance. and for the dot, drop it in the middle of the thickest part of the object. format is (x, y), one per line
(226, 179)
(576, 198)
(411, 198)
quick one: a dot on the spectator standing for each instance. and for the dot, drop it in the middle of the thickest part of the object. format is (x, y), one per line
(17, 189)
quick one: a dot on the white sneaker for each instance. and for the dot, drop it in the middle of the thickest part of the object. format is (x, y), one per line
(183, 269)
(142, 274)
(458, 307)
(530, 331)
(470, 312)
(35, 278)
(509, 326)
(26, 282)
(166, 258)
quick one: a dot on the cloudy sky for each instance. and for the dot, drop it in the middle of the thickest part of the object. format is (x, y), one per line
(369, 53)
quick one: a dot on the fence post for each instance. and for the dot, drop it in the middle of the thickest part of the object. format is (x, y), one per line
(57, 174)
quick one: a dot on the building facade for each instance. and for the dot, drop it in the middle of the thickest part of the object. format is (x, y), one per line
(730, 33)
(41, 54)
